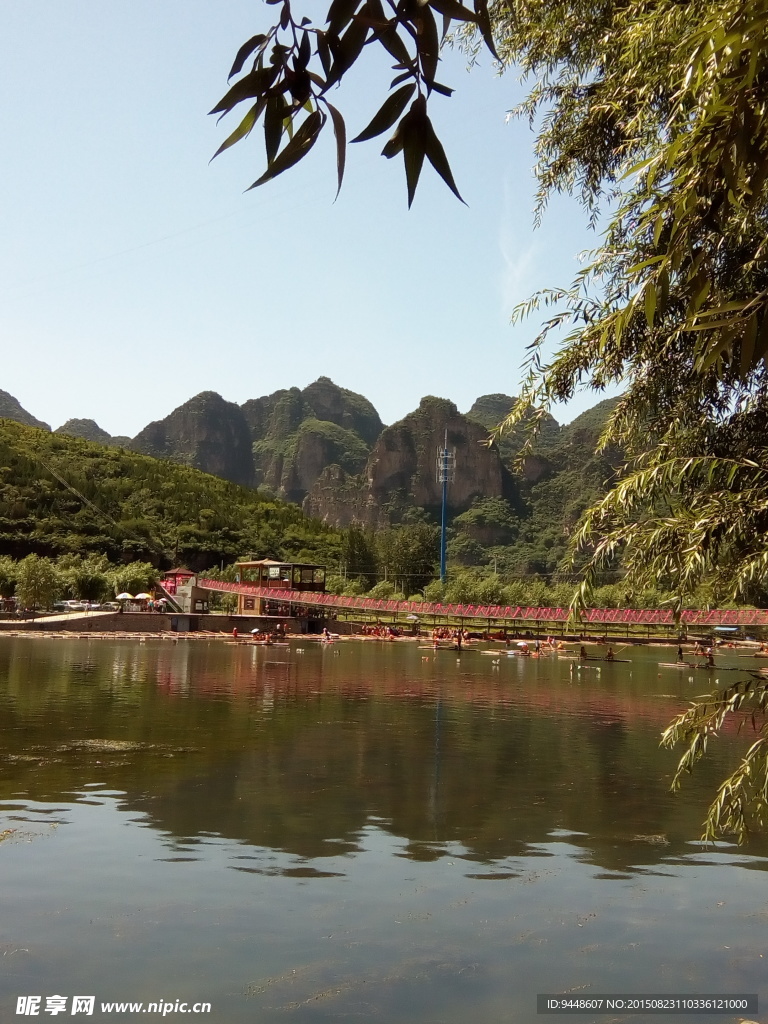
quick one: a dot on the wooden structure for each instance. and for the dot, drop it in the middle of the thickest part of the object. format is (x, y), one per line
(268, 574)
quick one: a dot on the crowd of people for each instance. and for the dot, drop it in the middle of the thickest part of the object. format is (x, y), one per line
(380, 631)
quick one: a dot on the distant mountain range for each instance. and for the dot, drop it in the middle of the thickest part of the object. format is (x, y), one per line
(326, 448)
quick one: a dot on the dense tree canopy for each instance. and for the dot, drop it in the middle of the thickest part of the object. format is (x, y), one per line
(659, 109)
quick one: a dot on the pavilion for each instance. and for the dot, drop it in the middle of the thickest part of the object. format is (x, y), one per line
(267, 572)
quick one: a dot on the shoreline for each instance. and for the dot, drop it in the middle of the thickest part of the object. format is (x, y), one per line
(746, 649)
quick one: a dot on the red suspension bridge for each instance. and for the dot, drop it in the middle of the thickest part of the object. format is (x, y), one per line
(502, 613)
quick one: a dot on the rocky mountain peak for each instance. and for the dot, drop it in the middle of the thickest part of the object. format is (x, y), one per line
(401, 470)
(206, 432)
(345, 408)
(403, 460)
(298, 433)
(490, 410)
(11, 409)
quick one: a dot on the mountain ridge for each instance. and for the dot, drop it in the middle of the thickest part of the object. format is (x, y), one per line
(325, 448)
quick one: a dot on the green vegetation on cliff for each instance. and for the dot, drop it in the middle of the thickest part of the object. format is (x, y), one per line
(560, 479)
(89, 430)
(297, 434)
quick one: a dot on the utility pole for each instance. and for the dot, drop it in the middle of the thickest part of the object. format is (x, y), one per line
(446, 470)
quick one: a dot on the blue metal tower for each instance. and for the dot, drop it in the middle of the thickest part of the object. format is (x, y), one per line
(446, 469)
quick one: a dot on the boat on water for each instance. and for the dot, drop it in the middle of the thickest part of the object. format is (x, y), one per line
(700, 667)
(622, 661)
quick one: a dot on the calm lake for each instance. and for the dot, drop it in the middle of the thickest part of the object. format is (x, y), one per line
(359, 832)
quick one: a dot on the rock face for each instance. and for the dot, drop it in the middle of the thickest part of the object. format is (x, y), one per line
(207, 433)
(401, 470)
(341, 499)
(11, 409)
(346, 409)
(404, 459)
(297, 434)
(277, 415)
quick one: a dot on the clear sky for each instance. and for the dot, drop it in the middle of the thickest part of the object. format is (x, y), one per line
(134, 274)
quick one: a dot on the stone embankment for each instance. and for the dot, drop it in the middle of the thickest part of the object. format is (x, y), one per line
(153, 623)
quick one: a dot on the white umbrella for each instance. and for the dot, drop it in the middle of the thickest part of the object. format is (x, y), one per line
(124, 597)
(254, 631)
(521, 643)
(412, 618)
(143, 597)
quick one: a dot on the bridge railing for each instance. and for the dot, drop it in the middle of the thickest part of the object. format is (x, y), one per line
(507, 613)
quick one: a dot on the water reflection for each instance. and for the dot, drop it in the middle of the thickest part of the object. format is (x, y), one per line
(297, 752)
(356, 834)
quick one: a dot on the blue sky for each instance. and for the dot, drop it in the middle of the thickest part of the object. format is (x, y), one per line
(135, 274)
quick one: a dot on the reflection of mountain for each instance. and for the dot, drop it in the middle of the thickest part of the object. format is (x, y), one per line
(298, 753)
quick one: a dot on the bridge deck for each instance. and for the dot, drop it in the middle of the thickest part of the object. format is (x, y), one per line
(508, 613)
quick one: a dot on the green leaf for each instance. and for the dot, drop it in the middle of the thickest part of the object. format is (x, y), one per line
(761, 344)
(254, 84)
(394, 145)
(413, 133)
(340, 132)
(428, 44)
(394, 45)
(453, 9)
(650, 303)
(711, 355)
(663, 289)
(244, 128)
(340, 14)
(748, 345)
(406, 76)
(635, 168)
(484, 24)
(436, 156)
(346, 51)
(324, 53)
(297, 148)
(245, 52)
(413, 156)
(273, 126)
(388, 113)
(633, 270)
(305, 50)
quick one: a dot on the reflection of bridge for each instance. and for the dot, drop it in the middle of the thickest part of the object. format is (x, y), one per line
(332, 603)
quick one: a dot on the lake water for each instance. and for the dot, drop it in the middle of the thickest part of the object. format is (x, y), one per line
(359, 832)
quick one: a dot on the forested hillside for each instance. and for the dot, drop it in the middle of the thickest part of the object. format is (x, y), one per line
(322, 445)
(561, 478)
(62, 495)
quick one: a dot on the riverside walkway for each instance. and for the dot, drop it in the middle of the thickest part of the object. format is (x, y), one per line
(599, 616)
